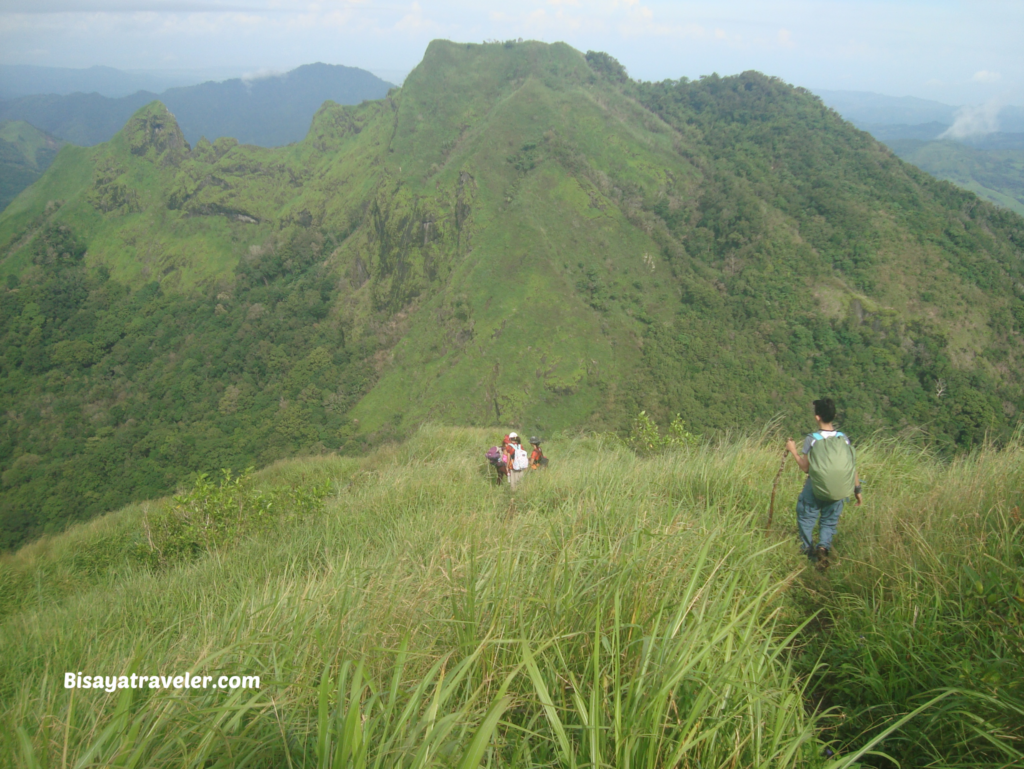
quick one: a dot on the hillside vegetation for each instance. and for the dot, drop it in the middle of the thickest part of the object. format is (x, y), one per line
(402, 610)
(522, 236)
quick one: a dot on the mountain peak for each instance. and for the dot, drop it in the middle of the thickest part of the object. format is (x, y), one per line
(517, 57)
(152, 132)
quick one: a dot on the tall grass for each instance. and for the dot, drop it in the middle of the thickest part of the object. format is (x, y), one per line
(931, 598)
(617, 611)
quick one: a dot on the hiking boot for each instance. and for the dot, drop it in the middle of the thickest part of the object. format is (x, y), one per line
(821, 556)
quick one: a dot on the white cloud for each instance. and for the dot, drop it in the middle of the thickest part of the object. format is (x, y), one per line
(984, 76)
(260, 74)
(414, 21)
(974, 121)
(786, 39)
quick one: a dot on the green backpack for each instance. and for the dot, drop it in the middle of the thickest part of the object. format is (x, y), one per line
(832, 467)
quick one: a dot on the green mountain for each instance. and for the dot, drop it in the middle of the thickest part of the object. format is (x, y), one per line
(25, 152)
(992, 174)
(521, 236)
(269, 111)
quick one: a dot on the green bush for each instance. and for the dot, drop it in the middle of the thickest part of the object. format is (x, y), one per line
(646, 439)
(211, 515)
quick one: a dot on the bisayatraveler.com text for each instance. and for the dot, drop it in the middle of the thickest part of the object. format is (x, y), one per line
(136, 681)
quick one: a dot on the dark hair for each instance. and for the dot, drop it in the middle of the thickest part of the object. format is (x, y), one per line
(826, 409)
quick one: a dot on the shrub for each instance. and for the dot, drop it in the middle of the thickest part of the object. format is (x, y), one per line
(213, 514)
(645, 438)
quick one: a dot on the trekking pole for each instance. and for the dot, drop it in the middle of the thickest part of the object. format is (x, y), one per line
(775, 487)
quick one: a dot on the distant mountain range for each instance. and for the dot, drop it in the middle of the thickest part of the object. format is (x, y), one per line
(994, 174)
(863, 109)
(268, 112)
(927, 132)
(18, 80)
(978, 148)
(25, 152)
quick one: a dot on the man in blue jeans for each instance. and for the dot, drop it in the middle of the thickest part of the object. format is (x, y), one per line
(811, 510)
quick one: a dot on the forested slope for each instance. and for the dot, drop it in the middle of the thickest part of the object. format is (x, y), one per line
(520, 236)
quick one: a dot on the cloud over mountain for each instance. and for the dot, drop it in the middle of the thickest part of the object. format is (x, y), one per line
(974, 121)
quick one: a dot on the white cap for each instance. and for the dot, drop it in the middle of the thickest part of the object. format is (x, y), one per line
(513, 435)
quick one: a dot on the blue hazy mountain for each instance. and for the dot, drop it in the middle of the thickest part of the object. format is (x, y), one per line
(17, 80)
(25, 152)
(978, 148)
(269, 111)
(864, 107)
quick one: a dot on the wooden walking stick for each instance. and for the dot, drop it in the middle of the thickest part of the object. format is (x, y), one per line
(775, 486)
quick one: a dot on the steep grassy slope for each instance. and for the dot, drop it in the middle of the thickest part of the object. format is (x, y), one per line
(520, 236)
(618, 611)
(25, 152)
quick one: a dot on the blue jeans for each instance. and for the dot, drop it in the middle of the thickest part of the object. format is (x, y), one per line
(809, 511)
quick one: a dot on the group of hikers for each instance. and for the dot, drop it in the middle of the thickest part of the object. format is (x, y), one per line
(827, 457)
(511, 459)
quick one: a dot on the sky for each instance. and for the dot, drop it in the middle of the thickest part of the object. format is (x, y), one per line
(952, 52)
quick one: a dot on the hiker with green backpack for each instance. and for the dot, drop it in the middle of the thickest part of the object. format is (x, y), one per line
(829, 459)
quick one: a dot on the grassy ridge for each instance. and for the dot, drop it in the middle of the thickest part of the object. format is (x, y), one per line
(618, 611)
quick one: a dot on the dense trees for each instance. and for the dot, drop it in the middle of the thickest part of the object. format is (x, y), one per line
(113, 394)
(792, 198)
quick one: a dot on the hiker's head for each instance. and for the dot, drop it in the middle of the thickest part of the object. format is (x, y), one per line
(825, 410)
(534, 441)
(513, 437)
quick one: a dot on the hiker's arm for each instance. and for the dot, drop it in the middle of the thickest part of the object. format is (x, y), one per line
(856, 486)
(801, 459)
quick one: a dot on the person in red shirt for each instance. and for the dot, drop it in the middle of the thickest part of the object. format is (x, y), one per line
(537, 458)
